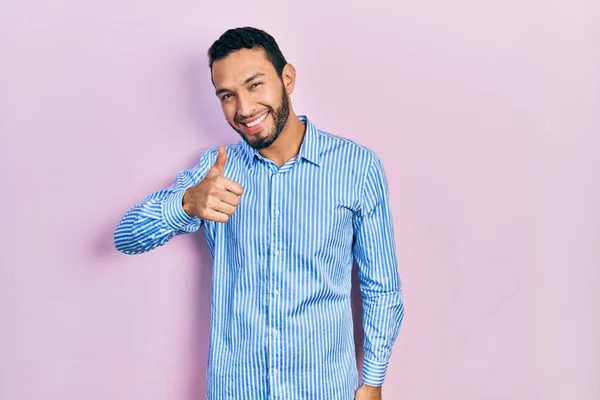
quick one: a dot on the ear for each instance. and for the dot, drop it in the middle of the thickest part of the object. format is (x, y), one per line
(288, 75)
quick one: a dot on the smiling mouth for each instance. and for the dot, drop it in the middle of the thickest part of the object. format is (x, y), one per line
(257, 121)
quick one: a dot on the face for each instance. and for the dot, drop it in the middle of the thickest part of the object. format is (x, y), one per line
(254, 98)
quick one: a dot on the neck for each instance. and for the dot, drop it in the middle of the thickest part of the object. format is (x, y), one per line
(287, 144)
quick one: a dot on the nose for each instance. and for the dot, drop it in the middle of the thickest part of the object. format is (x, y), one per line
(246, 107)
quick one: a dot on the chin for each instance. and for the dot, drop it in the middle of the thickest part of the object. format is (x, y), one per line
(261, 142)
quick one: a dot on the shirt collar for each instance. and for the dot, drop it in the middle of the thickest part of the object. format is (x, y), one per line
(309, 149)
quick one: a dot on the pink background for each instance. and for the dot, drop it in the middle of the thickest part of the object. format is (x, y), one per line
(485, 114)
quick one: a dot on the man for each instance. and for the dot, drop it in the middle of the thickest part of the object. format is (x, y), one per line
(284, 211)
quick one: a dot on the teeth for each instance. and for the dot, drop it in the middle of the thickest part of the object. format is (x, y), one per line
(257, 121)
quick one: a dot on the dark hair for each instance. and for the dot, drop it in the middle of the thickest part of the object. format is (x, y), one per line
(247, 38)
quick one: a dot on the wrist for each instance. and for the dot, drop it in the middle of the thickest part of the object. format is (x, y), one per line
(173, 213)
(187, 203)
(374, 372)
(371, 388)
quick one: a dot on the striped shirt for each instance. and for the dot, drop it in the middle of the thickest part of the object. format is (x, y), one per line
(281, 319)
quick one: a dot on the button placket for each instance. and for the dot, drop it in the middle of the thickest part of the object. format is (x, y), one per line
(273, 275)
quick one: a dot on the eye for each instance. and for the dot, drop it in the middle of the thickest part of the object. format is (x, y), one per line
(227, 96)
(255, 84)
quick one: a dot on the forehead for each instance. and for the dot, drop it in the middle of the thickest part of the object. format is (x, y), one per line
(240, 65)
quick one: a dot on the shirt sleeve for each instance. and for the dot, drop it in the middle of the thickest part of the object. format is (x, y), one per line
(159, 217)
(380, 284)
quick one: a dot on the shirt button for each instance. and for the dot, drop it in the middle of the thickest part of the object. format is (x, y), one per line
(276, 212)
(275, 371)
(276, 252)
(275, 292)
(274, 332)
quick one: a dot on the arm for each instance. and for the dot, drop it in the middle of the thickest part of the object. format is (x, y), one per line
(380, 284)
(160, 216)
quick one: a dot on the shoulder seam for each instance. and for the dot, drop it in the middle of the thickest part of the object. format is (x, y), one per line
(347, 140)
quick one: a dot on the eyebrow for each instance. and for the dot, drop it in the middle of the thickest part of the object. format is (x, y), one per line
(253, 77)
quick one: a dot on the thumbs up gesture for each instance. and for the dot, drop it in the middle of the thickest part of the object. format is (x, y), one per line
(215, 197)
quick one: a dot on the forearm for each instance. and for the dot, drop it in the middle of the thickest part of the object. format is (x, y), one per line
(382, 317)
(153, 222)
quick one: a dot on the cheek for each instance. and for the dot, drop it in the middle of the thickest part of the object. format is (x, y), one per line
(267, 95)
(273, 98)
(228, 111)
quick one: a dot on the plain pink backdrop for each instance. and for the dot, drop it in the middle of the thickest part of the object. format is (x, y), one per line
(486, 117)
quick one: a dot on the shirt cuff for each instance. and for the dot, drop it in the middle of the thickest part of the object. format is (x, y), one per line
(373, 372)
(174, 214)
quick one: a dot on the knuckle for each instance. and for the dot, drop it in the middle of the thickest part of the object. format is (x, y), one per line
(212, 203)
(213, 191)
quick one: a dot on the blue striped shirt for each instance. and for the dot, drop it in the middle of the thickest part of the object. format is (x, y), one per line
(281, 320)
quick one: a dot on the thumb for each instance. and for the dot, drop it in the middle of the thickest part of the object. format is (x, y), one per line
(219, 164)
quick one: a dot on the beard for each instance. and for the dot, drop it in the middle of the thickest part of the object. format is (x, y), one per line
(280, 117)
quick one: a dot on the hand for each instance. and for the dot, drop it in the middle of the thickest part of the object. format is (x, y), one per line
(366, 392)
(215, 197)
